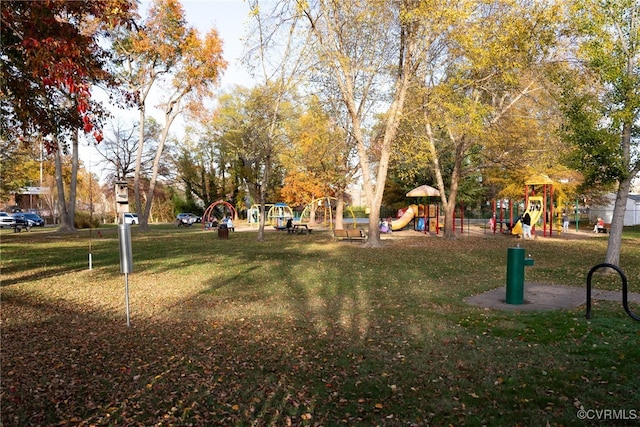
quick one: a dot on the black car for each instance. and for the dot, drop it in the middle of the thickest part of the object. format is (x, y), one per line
(34, 219)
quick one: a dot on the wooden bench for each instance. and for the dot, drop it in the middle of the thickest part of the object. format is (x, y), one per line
(349, 234)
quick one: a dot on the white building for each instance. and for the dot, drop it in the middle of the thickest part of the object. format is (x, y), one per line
(605, 211)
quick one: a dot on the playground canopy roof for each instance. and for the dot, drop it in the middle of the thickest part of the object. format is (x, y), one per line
(423, 191)
(540, 179)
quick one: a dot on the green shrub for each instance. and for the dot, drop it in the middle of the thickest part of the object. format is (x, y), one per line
(86, 220)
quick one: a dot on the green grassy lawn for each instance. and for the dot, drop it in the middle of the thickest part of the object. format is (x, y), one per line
(302, 330)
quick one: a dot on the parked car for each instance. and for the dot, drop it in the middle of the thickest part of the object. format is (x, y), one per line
(6, 220)
(187, 219)
(131, 218)
(34, 219)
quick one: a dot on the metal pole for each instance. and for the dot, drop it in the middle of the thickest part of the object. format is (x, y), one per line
(90, 217)
(126, 296)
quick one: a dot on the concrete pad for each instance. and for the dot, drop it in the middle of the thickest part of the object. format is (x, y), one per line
(546, 297)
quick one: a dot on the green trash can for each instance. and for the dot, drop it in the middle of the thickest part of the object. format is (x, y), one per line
(223, 231)
(516, 262)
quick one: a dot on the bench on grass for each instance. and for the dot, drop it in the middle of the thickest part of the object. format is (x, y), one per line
(349, 234)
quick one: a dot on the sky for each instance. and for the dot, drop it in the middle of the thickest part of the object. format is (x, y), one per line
(229, 18)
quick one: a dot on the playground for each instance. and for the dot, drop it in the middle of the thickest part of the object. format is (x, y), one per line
(306, 330)
(545, 215)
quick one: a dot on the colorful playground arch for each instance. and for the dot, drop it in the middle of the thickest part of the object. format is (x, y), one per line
(327, 204)
(277, 214)
(220, 207)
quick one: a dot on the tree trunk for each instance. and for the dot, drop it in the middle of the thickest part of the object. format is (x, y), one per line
(375, 197)
(617, 223)
(620, 207)
(262, 217)
(373, 239)
(265, 178)
(73, 185)
(450, 205)
(435, 160)
(142, 221)
(170, 116)
(313, 209)
(146, 213)
(340, 210)
(62, 204)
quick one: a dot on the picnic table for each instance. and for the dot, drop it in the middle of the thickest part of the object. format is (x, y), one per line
(299, 229)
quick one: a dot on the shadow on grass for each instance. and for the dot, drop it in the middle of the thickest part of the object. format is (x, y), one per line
(311, 332)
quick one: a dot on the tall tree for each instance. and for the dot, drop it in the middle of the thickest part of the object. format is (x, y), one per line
(489, 68)
(50, 54)
(279, 71)
(368, 49)
(196, 165)
(250, 128)
(318, 162)
(602, 116)
(165, 52)
(120, 147)
(19, 166)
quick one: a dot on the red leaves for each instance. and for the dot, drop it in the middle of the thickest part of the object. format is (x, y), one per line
(62, 78)
(30, 42)
(53, 49)
(88, 127)
(82, 106)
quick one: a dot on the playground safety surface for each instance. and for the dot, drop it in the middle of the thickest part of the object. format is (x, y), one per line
(546, 297)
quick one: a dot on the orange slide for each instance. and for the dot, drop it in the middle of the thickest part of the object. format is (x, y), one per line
(407, 216)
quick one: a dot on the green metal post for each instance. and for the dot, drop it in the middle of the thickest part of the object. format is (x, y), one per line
(515, 275)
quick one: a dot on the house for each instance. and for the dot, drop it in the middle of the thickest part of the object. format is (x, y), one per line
(605, 211)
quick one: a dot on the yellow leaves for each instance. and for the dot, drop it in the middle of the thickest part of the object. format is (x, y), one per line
(317, 161)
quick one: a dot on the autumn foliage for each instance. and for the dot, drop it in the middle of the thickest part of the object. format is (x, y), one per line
(50, 57)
